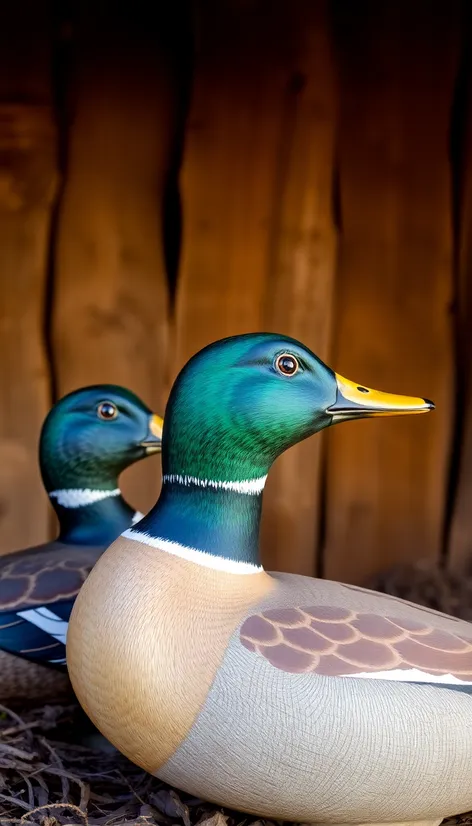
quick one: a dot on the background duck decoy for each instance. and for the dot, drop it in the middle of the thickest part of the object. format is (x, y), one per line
(88, 438)
(281, 695)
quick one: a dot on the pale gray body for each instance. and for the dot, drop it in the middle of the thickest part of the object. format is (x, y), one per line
(330, 749)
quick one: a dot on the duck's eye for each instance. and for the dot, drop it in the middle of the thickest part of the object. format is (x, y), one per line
(107, 411)
(286, 364)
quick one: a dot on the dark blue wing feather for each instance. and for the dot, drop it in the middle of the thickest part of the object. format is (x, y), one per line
(37, 634)
(38, 588)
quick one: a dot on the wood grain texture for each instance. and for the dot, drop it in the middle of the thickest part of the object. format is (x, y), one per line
(111, 296)
(459, 540)
(387, 479)
(301, 283)
(258, 240)
(27, 187)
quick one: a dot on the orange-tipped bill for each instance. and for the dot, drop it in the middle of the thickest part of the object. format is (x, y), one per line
(354, 401)
(153, 440)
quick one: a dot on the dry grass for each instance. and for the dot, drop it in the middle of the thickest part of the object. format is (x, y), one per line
(48, 779)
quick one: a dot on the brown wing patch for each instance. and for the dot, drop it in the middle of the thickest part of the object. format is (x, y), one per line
(336, 631)
(260, 629)
(306, 639)
(289, 659)
(288, 617)
(335, 641)
(373, 627)
(42, 578)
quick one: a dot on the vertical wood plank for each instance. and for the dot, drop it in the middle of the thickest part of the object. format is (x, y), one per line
(301, 277)
(111, 295)
(27, 187)
(229, 167)
(387, 479)
(257, 231)
(459, 540)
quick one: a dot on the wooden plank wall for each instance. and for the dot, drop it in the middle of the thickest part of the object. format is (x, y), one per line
(28, 180)
(258, 238)
(170, 177)
(110, 318)
(460, 533)
(387, 480)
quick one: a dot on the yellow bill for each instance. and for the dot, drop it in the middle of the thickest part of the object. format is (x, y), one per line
(357, 401)
(153, 440)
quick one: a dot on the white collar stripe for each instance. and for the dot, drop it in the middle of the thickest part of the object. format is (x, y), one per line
(217, 563)
(79, 497)
(250, 487)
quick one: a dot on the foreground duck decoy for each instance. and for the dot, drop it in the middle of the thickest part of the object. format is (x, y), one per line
(281, 695)
(88, 438)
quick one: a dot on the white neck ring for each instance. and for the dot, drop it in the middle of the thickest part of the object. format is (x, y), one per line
(249, 487)
(203, 558)
(80, 497)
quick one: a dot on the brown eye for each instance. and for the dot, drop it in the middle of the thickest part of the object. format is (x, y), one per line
(107, 411)
(287, 364)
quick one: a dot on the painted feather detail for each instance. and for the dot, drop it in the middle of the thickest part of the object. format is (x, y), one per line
(335, 641)
(38, 580)
(37, 634)
(38, 588)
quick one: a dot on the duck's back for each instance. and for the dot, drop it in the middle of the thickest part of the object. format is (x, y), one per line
(38, 587)
(288, 730)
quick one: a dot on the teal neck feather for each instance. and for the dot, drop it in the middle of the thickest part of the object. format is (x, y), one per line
(227, 419)
(92, 523)
(73, 480)
(219, 522)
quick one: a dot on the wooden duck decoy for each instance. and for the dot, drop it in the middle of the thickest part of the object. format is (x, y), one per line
(88, 438)
(284, 696)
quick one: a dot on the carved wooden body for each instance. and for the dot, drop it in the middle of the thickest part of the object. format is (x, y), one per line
(242, 701)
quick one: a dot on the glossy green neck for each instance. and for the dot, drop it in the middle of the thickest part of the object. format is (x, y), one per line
(95, 523)
(218, 522)
(84, 493)
(62, 468)
(214, 470)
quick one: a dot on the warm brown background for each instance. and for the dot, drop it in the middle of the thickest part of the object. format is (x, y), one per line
(172, 175)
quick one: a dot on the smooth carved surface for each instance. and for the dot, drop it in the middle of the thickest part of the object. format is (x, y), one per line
(308, 748)
(311, 749)
(336, 641)
(39, 577)
(146, 601)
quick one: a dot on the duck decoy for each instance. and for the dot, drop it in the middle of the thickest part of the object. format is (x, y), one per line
(288, 697)
(88, 438)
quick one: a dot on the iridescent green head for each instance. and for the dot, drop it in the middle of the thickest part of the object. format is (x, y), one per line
(241, 401)
(235, 407)
(91, 435)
